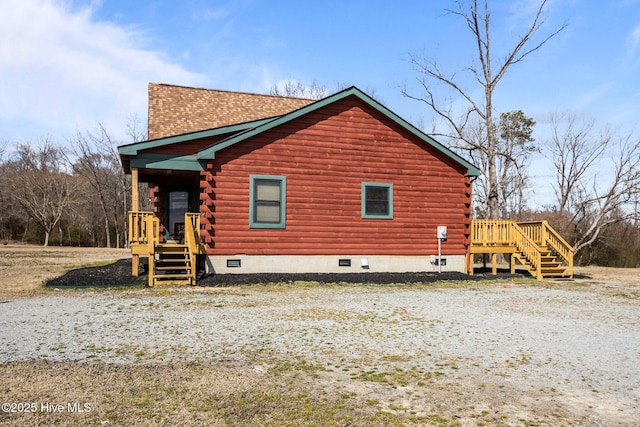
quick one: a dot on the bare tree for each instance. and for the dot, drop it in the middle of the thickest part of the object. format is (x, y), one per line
(136, 131)
(487, 75)
(97, 160)
(597, 177)
(94, 166)
(575, 152)
(41, 185)
(5, 231)
(297, 89)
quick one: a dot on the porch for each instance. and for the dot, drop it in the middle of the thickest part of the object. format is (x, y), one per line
(173, 260)
(535, 245)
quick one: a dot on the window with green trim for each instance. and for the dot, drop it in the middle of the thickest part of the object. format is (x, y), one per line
(377, 200)
(267, 201)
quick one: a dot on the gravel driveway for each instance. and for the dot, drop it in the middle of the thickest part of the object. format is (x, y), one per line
(578, 350)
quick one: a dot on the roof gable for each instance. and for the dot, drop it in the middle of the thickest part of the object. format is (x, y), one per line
(134, 155)
(210, 152)
(177, 110)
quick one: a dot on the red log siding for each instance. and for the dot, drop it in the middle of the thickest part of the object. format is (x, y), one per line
(326, 155)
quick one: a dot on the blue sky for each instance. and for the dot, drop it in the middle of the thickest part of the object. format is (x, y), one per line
(66, 65)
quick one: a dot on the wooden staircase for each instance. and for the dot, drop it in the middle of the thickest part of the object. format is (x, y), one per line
(172, 264)
(534, 245)
(169, 263)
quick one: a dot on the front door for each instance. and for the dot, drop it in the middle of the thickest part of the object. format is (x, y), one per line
(178, 202)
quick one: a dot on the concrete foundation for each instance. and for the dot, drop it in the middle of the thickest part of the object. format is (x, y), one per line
(249, 264)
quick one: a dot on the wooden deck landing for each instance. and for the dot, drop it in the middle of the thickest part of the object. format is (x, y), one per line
(535, 245)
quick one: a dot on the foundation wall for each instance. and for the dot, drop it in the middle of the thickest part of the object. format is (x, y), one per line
(250, 264)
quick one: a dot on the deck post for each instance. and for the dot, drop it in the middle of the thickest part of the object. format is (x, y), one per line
(135, 264)
(135, 193)
(494, 263)
(135, 207)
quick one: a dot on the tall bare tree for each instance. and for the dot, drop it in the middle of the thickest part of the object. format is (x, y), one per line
(41, 185)
(5, 230)
(93, 165)
(597, 177)
(96, 159)
(487, 70)
(575, 151)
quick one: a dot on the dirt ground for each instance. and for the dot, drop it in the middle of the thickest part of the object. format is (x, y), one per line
(266, 389)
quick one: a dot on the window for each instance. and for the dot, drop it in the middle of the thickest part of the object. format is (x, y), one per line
(377, 200)
(267, 201)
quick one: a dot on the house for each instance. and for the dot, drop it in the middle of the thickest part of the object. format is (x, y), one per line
(256, 183)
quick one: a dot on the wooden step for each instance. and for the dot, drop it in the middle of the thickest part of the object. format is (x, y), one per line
(173, 265)
(180, 268)
(172, 278)
(550, 264)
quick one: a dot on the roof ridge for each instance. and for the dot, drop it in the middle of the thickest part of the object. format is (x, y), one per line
(266, 95)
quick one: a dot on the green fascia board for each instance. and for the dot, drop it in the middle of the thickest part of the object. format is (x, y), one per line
(210, 152)
(133, 149)
(167, 162)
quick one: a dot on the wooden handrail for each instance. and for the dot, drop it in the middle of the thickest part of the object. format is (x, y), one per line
(192, 239)
(559, 245)
(529, 238)
(153, 238)
(496, 232)
(192, 231)
(144, 239)
(138, 227)
(544, 235)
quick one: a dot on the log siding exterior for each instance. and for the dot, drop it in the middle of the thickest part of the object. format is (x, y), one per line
(325, 154)
(325, 157)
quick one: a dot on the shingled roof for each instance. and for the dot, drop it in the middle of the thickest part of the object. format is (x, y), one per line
(177, 110)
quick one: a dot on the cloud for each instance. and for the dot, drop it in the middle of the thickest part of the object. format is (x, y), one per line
(211, 14)
(634, 39)
(61, 70)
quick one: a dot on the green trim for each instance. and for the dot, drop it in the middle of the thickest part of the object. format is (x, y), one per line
(252, 201)
(133, 149)
(363, 201)
(167, 161)
(210, 152)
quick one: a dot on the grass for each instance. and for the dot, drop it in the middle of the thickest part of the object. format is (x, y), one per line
(181, 394)
(25, 268)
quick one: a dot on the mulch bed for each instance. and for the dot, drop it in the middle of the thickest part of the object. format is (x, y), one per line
(116, 274)
(119, 274)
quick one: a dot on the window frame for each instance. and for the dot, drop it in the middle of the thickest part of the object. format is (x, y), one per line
(389, 188)
(253, 180)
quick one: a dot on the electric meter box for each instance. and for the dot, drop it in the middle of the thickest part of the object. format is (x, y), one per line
(442, 232)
